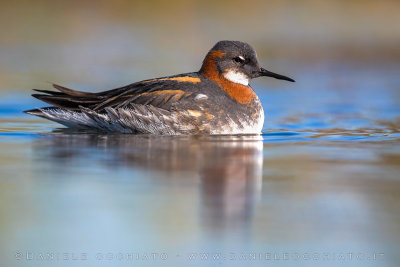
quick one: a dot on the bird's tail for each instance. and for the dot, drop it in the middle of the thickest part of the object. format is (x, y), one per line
(66, 98)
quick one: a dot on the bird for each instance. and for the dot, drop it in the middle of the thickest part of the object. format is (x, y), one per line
(216, 100)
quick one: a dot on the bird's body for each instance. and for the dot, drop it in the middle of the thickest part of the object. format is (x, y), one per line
(215, 100)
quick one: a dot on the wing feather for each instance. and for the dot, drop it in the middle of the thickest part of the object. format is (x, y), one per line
(161, 92)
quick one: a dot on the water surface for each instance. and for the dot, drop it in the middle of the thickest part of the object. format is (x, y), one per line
(320, 186)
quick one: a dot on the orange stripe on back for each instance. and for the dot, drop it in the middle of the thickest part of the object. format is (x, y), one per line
(161, 92)
(185, 79)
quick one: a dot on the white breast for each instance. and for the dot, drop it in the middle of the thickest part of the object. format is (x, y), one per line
(246, 126)
(254, 127)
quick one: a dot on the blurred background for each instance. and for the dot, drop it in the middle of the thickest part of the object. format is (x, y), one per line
(323, 177)
(105, 44)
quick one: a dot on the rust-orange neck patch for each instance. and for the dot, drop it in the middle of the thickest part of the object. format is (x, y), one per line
(209, 68)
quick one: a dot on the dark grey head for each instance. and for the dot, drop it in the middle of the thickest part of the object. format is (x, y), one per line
(237, 62)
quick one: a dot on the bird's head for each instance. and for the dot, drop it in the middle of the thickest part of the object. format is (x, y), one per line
(235, 61)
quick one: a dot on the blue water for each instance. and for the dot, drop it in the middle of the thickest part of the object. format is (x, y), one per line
(319, 187)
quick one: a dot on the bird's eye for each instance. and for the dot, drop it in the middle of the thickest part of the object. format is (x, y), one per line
(239, 59)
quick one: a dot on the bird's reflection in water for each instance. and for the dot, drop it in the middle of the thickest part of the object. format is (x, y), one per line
(229, 167)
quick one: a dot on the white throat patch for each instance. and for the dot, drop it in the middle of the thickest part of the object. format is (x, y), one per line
(237, 77)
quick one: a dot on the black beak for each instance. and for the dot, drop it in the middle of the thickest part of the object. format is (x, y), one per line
(264, 72)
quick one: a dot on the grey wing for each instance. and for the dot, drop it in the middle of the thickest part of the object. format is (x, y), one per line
(159, 106)
(160, 92)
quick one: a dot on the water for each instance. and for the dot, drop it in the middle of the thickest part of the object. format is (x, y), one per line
(319, 187)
